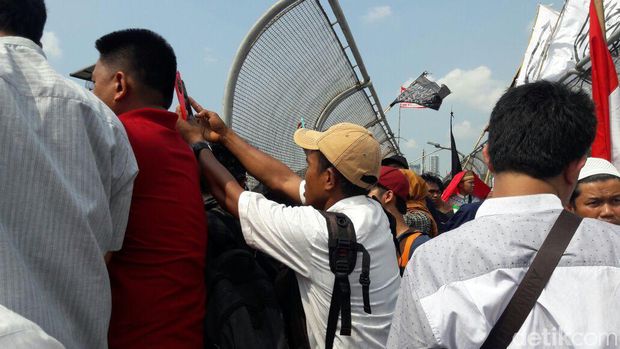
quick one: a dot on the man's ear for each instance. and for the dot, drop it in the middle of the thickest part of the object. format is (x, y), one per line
(331, 180)
(487, 158)
(120, 86)
(571, 173)
(388, 197)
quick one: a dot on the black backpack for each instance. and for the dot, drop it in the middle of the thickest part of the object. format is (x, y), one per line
(242, 309)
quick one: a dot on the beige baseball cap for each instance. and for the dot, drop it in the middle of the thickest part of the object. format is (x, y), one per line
(351, 148)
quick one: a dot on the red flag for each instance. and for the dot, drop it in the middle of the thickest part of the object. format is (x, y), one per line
(605, 94)
(481, 189)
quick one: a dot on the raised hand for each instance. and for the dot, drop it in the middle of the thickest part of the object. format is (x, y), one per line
(213, 128)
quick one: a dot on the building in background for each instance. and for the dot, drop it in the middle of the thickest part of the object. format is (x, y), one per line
(417, 168)
(435, 164)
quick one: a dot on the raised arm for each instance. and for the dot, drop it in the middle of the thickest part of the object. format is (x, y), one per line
(263, 167)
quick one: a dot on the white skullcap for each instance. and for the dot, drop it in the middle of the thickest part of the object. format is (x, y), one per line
(597, 166)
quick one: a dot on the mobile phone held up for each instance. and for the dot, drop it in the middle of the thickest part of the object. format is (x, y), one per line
(186, 107)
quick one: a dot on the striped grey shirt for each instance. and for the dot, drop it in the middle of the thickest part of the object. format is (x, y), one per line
(66, 177)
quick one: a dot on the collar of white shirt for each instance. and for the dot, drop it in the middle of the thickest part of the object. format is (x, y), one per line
(19, 41)
(348, 202)
(519, 205)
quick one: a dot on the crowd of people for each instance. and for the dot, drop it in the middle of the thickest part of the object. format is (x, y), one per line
(123, 225)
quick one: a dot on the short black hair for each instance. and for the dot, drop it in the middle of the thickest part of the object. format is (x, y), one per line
(147, 55)
(538, 129)
(431, 178)
(25, 18)
(230, 163)
(595, 178)
(348, 189)
(401, 205)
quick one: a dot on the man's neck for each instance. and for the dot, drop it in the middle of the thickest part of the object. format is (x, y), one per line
(135, 106)
(518, 184)
(332, 200)
(401, 225)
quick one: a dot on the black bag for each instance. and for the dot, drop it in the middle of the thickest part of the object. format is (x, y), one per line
(242, 308)
(343, 249)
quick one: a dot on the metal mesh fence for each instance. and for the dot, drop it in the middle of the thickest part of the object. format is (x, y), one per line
(293, 65)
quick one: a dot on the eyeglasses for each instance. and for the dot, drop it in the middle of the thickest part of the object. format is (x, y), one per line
(90, 85)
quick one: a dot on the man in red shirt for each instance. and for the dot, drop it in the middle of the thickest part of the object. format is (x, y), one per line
(157, 278)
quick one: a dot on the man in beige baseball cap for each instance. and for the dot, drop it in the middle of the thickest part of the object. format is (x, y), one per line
(350, 149)
(343, 164)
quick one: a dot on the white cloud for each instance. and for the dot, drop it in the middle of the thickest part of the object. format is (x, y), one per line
(411, 144)
(411, 80)
(475, 88)
(464, 130)
(377, 13)
(209, 56)
(51, 45)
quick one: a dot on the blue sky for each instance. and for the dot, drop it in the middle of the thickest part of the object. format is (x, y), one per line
(473, 46)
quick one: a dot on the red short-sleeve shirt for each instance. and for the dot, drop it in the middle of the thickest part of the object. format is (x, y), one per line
(157, 278)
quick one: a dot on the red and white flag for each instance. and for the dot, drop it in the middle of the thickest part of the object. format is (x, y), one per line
(605, 93)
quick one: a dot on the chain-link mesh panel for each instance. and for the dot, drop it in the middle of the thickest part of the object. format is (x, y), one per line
(357, 107)
(293, 68)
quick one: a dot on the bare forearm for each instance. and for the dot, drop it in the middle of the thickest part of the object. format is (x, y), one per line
(222, 184)
(269, 171)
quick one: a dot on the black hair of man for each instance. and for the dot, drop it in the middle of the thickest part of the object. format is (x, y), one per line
(538, 129)
(430, 178)
(347, 188)
(230, 163)
(590, 179)
(401, 205)
(25, 18)
(146, 55)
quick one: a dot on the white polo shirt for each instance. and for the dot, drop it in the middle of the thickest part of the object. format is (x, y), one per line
(297, 237)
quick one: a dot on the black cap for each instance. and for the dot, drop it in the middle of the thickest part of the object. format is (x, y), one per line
(84, 73)
(395, 160)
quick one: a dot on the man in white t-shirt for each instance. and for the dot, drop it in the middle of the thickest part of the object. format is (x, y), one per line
(343, 163)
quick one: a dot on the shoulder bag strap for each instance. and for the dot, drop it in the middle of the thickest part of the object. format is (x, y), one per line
(534, 281)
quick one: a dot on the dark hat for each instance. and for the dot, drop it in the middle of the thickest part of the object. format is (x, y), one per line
(395, 160)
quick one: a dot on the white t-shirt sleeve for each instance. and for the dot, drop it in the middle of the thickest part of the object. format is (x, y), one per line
(302, 192)
(285, 233)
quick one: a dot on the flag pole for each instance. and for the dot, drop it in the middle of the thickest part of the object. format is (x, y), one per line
(600, 13)
(469, 156)
(399, 108)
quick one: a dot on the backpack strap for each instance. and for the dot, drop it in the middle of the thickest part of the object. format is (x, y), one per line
(534, 281)
(405, 255)
(343, 248)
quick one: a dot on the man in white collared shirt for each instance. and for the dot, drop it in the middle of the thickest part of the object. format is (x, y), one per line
(343, 163)
(458, 284)
(66, 177)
